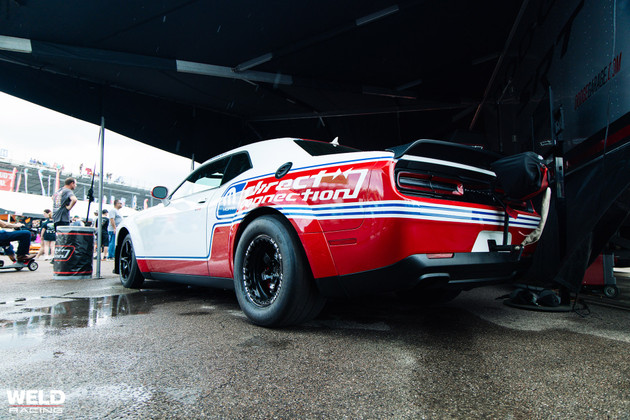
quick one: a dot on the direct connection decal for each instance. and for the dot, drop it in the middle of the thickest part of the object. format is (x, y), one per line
(313, 187)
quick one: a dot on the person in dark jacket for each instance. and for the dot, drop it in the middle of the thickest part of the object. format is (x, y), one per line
(48, 235)
(103, 232)
(22, 236)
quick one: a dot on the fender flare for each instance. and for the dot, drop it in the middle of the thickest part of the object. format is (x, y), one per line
(313, 241)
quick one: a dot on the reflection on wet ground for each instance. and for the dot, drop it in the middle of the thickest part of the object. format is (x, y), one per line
(31, 324)
(191, 353)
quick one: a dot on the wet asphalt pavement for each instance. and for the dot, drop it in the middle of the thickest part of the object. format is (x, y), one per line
(178, 352)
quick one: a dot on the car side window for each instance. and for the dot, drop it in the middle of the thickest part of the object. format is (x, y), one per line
(236, 165)
(213, 175)
(205, 178)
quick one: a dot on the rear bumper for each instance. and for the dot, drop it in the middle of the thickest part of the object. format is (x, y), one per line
(463, 271)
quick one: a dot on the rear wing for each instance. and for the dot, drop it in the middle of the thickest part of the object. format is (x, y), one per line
(452, 152)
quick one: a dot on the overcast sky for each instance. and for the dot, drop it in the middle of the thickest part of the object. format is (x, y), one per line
(30, 131)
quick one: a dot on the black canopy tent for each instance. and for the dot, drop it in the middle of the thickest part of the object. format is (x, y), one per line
(203, 77)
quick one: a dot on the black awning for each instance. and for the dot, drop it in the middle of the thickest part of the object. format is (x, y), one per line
(203, 76)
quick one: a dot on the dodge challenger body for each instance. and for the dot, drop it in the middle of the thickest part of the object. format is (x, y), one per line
(289, 222)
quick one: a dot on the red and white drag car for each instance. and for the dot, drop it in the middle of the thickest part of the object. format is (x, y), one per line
(289, 222)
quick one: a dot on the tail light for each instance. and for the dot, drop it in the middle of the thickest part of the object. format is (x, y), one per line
(426, 183)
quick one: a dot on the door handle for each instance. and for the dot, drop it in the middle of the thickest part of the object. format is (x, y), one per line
(202, 201)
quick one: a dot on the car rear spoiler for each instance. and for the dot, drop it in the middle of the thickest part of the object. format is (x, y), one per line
(442, 150)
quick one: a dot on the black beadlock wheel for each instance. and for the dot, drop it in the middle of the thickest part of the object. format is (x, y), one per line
(130, 275)
(262, 271)
(272, 279)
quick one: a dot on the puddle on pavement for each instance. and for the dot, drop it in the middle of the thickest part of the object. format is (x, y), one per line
(30, 325)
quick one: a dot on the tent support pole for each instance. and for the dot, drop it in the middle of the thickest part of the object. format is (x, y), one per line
(99, 236)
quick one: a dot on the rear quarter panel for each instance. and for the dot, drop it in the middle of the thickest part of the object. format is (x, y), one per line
(396, 226)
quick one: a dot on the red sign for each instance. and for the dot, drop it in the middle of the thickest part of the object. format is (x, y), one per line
(6, 179)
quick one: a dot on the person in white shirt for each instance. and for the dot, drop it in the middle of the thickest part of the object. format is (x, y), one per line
(114, 220)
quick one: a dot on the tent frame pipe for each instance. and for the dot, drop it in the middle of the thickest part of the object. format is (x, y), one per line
(99, 235)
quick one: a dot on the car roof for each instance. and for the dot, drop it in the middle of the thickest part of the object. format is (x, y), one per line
(271, 153)
(263, 146)
(268, 155)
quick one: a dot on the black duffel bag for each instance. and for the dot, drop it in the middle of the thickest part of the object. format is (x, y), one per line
(521, 176)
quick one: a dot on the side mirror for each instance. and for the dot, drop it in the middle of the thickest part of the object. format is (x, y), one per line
(160, 193)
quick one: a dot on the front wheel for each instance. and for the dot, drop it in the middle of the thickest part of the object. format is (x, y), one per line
(272, 279)
(130, 275)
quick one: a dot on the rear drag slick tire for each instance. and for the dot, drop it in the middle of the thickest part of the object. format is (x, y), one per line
(272, 279)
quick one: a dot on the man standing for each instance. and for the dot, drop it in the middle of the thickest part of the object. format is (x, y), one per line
(63, 201)
(114, 220)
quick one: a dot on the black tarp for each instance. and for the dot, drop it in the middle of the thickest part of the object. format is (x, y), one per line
(596, 203)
